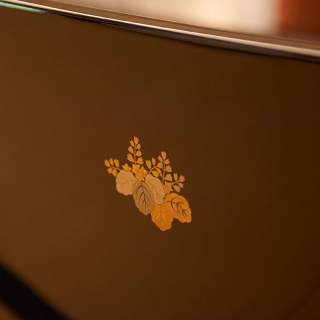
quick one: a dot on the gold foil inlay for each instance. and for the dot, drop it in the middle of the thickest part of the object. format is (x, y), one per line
(152, 187)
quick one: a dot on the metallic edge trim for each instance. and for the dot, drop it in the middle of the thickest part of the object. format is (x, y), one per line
(227, 42)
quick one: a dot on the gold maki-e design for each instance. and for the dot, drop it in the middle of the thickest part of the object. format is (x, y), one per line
(151, 186)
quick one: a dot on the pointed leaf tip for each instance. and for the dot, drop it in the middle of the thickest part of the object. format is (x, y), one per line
(130, 157)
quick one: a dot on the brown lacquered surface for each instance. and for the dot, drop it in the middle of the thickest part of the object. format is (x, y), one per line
(6, 314)
(242, 128)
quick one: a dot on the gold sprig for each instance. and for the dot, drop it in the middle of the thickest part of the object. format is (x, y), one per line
(154, 188)
(135, 152)
(113, 166)
(177, 184)
(165, 167)
(160, 169)
(154, 168)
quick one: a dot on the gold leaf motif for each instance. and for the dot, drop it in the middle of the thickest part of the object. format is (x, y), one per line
(155, 173)
(143, 197)
(167, 187)
(141, 173)
(135, 168)
(140, 161)
(162, 216)
(180, 207)
(152, 190)
(156, 188)
(124, 182)
(130, 157)
(126, 167)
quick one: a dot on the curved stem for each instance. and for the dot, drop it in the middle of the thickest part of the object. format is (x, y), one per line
(134, 154)
(176, 182)
(152, 168)
(164, 171)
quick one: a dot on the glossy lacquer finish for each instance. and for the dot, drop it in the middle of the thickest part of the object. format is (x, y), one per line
(290, 42)
(241, 128)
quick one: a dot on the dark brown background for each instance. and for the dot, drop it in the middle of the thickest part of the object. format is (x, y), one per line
(242, 128)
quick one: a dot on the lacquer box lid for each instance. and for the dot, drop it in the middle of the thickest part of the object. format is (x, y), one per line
(150, 176)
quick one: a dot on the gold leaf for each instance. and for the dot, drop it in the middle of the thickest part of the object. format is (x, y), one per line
(125, 182)
(180, 207)
(141, 173)
(155, 173)
(143, 197)
(135, 168)
(152, 191)
(167, 187)
(130, 157)
(126, 167)
(162, 216)
(156, 188)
